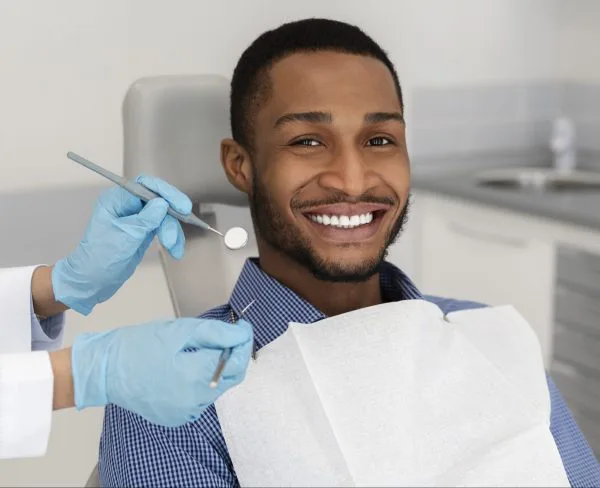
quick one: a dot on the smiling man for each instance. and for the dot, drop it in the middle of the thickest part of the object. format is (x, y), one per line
(319, 148)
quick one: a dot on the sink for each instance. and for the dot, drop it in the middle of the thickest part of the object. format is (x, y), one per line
(544, 179)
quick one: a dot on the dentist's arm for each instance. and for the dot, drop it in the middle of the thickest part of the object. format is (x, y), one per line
(118, 235)
(160, 370)
(42, 294)
(63, 395)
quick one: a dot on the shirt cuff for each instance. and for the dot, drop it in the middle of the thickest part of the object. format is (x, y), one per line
(27, 384)
(46, 334)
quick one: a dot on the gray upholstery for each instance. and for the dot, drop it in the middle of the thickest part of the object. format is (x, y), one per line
(94, 479)
(172, 128)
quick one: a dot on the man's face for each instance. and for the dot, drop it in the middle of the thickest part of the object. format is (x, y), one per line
(330, 172)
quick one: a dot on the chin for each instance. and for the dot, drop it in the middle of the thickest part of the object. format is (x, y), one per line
(340, 266)
(347, 274)
(348, 256)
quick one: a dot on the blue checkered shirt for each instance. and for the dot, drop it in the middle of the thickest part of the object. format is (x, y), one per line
(134, 452)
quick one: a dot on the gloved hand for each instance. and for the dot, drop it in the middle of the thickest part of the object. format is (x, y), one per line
(117, 236)
(160, 370)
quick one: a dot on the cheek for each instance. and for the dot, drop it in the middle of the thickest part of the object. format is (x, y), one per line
(276, 187)
(288, 179)
(397, 176)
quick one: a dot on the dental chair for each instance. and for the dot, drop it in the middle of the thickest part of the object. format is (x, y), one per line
(172, 127)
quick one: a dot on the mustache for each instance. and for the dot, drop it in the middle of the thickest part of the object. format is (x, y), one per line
(341, 197)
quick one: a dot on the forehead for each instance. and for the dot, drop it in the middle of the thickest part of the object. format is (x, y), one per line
(330, 81)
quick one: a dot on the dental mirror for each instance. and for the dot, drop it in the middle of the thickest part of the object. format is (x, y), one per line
(235, 238)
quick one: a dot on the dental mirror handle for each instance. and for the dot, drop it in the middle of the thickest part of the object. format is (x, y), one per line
(146, 195)
(139, 191)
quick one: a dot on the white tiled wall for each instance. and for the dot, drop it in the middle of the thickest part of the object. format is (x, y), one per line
(502, 117)
(484, 118)
(66, 64)
(581, 100)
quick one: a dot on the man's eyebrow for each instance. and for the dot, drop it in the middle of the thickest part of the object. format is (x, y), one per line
(314, 117)
(327, 118)
(376, 117)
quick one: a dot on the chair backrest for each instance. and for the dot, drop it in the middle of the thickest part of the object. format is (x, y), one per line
(172, 128)
(94, 479)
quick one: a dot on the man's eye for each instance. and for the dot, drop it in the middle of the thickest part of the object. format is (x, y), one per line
(379, 141)
(306, 142)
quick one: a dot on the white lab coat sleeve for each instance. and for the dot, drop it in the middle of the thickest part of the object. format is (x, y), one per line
(26, 380)
(47, 334)
(26, 388)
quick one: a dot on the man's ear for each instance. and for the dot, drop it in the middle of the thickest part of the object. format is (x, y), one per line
(236, 163)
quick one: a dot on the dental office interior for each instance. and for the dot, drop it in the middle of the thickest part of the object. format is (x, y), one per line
(503, 117)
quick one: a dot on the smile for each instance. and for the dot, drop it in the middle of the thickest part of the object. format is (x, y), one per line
(345, 222)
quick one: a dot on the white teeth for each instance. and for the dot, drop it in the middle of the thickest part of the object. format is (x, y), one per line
(343, 221)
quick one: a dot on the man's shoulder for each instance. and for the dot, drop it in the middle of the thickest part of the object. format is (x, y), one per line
(449, 305)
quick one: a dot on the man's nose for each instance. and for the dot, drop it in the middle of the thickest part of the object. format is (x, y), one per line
(348, 172)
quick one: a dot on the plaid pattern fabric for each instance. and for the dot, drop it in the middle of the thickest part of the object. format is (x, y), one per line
(134, 452)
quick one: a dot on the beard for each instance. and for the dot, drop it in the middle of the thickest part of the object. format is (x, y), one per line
(271, 226)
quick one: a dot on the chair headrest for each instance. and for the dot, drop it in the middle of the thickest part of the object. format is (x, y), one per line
(173, 126)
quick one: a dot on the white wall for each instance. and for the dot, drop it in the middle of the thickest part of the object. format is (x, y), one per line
(66, 64)
(579, 40)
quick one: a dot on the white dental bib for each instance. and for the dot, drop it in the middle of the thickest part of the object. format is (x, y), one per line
(396, 395)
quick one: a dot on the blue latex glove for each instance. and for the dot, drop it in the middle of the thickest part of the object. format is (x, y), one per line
(117, 236)
(160, 370)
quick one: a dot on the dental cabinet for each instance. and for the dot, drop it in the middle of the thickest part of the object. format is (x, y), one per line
(575, 363)
(460, 249)
(485, 255)
(548, 269)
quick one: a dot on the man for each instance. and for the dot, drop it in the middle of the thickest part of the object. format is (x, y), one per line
(319, 147)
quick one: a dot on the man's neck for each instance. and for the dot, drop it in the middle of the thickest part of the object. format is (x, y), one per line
(331, 298)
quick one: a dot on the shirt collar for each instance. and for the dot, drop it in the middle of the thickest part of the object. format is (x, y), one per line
(275, 305)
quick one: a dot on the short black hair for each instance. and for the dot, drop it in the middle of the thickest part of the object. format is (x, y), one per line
(250, 84)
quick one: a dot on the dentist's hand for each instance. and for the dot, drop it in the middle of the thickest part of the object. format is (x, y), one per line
(118, 235)
(160, 370)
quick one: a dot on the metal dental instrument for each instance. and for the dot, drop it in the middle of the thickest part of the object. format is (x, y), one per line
(226, 354)
(234, 239)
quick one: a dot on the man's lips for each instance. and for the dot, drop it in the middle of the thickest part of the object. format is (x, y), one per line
(346, 209)
(346, 222)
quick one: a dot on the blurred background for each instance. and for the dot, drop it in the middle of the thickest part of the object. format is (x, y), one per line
(502, 97)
